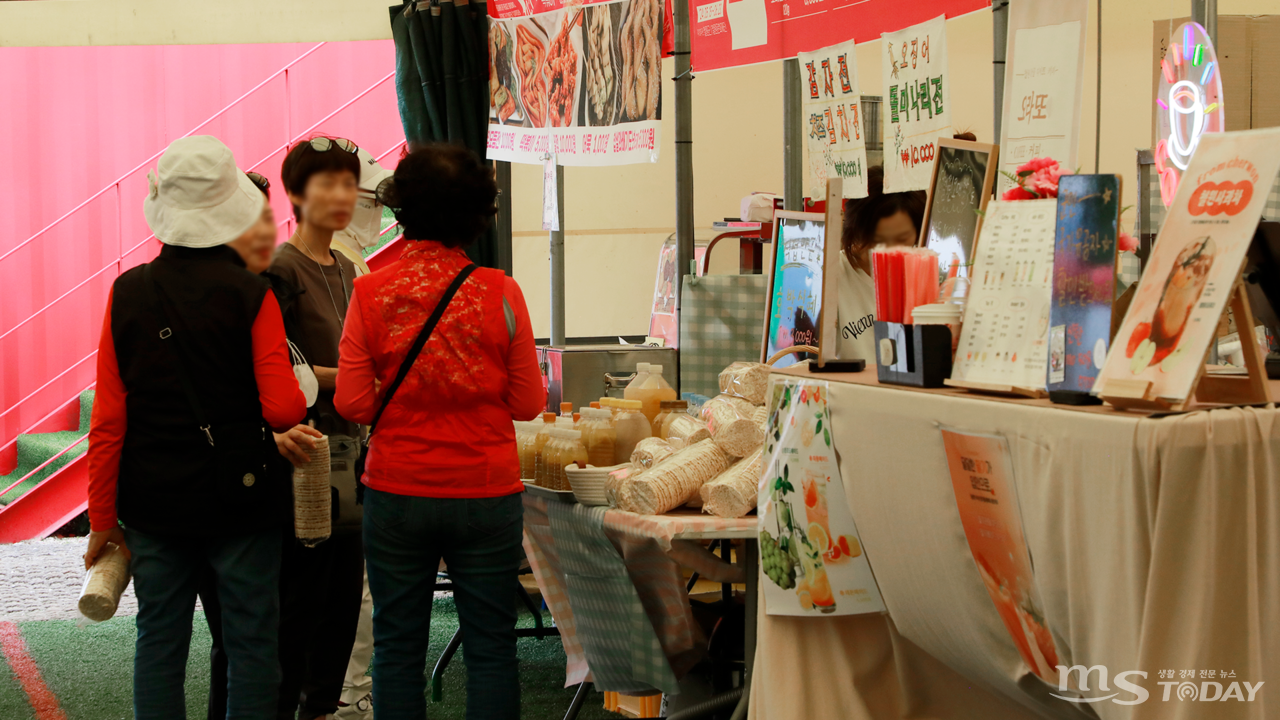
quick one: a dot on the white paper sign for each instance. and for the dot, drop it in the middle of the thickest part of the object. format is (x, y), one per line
(1005, 336)
(1043, 86)
(810, 554)
(831, 106)
(917, 105)
(550, 195)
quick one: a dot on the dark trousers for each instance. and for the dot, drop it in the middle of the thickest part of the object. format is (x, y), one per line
(320, 593)
(166, 573)
(321, 589)
(208, 590)
(479, 539)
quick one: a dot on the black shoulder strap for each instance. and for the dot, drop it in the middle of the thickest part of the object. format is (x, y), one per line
(421, 341)
(166, 332)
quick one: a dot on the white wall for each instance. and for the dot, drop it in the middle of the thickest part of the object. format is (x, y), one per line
(616, 218)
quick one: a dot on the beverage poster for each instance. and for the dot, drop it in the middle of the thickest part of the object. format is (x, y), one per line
(1194, 263)
(982, 477)
(810, 553)
(831, 106)
(1084, 279)
(795, 289)
(917, 103)
(1005, 336)
(583, 83)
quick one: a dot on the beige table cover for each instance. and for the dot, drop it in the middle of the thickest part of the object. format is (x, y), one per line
(1156, 546)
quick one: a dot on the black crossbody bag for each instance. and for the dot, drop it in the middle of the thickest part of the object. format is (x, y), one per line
(421, 341)
(240, 451)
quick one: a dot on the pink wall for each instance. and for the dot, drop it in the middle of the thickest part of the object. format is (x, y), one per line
(82, 126)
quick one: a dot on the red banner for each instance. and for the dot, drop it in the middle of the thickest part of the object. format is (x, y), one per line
(745, 32)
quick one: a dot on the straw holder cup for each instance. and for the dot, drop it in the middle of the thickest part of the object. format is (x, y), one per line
(915, 355)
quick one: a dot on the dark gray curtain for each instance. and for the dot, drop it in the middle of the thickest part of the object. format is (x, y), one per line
(442, 82)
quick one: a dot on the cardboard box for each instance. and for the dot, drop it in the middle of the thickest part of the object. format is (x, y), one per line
(1264, 45)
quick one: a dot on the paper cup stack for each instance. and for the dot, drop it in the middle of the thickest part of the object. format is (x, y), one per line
(104, 584)
(311, 496)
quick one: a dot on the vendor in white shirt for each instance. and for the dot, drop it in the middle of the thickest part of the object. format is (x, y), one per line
(878, 219)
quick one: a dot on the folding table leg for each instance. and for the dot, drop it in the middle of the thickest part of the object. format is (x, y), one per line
(578, 698)
(437, 675)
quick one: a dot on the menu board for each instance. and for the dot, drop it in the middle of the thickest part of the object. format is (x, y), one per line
(584, 84)
(795, 284)
(831, 105)
(1004, 340)
(811, 556)
(962, 178)
(1084, 279)
(982, 477)
(1194, 264)
(917, 103)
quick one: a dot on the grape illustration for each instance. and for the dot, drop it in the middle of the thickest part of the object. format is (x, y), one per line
(776, 563)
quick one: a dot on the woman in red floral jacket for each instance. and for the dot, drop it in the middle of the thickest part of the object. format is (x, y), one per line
(443, 474)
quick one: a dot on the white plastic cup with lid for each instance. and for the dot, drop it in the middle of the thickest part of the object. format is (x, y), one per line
(948, 314)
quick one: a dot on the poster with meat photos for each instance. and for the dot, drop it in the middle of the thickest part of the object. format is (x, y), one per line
(582, 82)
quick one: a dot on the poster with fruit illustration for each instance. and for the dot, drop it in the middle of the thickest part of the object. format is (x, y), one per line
(982, 476)
(810, 553)
(1194, 264)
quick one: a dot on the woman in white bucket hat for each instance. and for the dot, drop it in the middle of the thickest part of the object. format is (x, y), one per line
(193, 374)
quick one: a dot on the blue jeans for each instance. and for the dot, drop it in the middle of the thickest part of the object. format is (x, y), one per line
(479, 540)
(166, 573)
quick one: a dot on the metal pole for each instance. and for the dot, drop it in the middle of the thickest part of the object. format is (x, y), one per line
(557, 266)
(1000, 49)
(1205, 12)
(684, 143)
(1097, 132)
(503, 221)
(792, 138)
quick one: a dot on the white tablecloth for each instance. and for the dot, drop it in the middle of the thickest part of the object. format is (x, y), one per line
(1156, 544)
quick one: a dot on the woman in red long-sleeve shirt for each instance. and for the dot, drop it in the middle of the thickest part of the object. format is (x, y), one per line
(442, 475)
(193, 375)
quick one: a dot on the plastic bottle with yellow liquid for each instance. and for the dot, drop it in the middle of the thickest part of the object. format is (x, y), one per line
(651, 389)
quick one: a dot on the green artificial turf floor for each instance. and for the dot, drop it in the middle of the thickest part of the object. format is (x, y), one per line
(90, 670)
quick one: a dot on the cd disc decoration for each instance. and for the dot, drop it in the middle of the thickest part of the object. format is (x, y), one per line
(1188, 105)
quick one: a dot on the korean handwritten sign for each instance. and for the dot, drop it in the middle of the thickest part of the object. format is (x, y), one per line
(1084, 279)
(832, 110)
(917, 104)
(1042, 97)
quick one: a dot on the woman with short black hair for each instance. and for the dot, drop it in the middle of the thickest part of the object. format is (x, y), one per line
(442, 475)
(888, 219)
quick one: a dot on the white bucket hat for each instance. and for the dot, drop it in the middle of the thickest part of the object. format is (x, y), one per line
(201, 199)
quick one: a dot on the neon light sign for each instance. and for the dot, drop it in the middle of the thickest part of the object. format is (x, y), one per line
(1188, 105)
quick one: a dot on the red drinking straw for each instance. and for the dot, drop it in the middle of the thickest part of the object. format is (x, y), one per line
(880, 278)
(896, 283)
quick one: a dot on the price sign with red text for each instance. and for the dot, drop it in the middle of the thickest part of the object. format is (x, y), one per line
(917, 104)
(832, 111)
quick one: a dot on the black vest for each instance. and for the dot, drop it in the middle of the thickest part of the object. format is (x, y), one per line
(169, 481)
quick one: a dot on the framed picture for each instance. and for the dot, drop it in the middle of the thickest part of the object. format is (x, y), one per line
(963, 174)
(801, 276)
